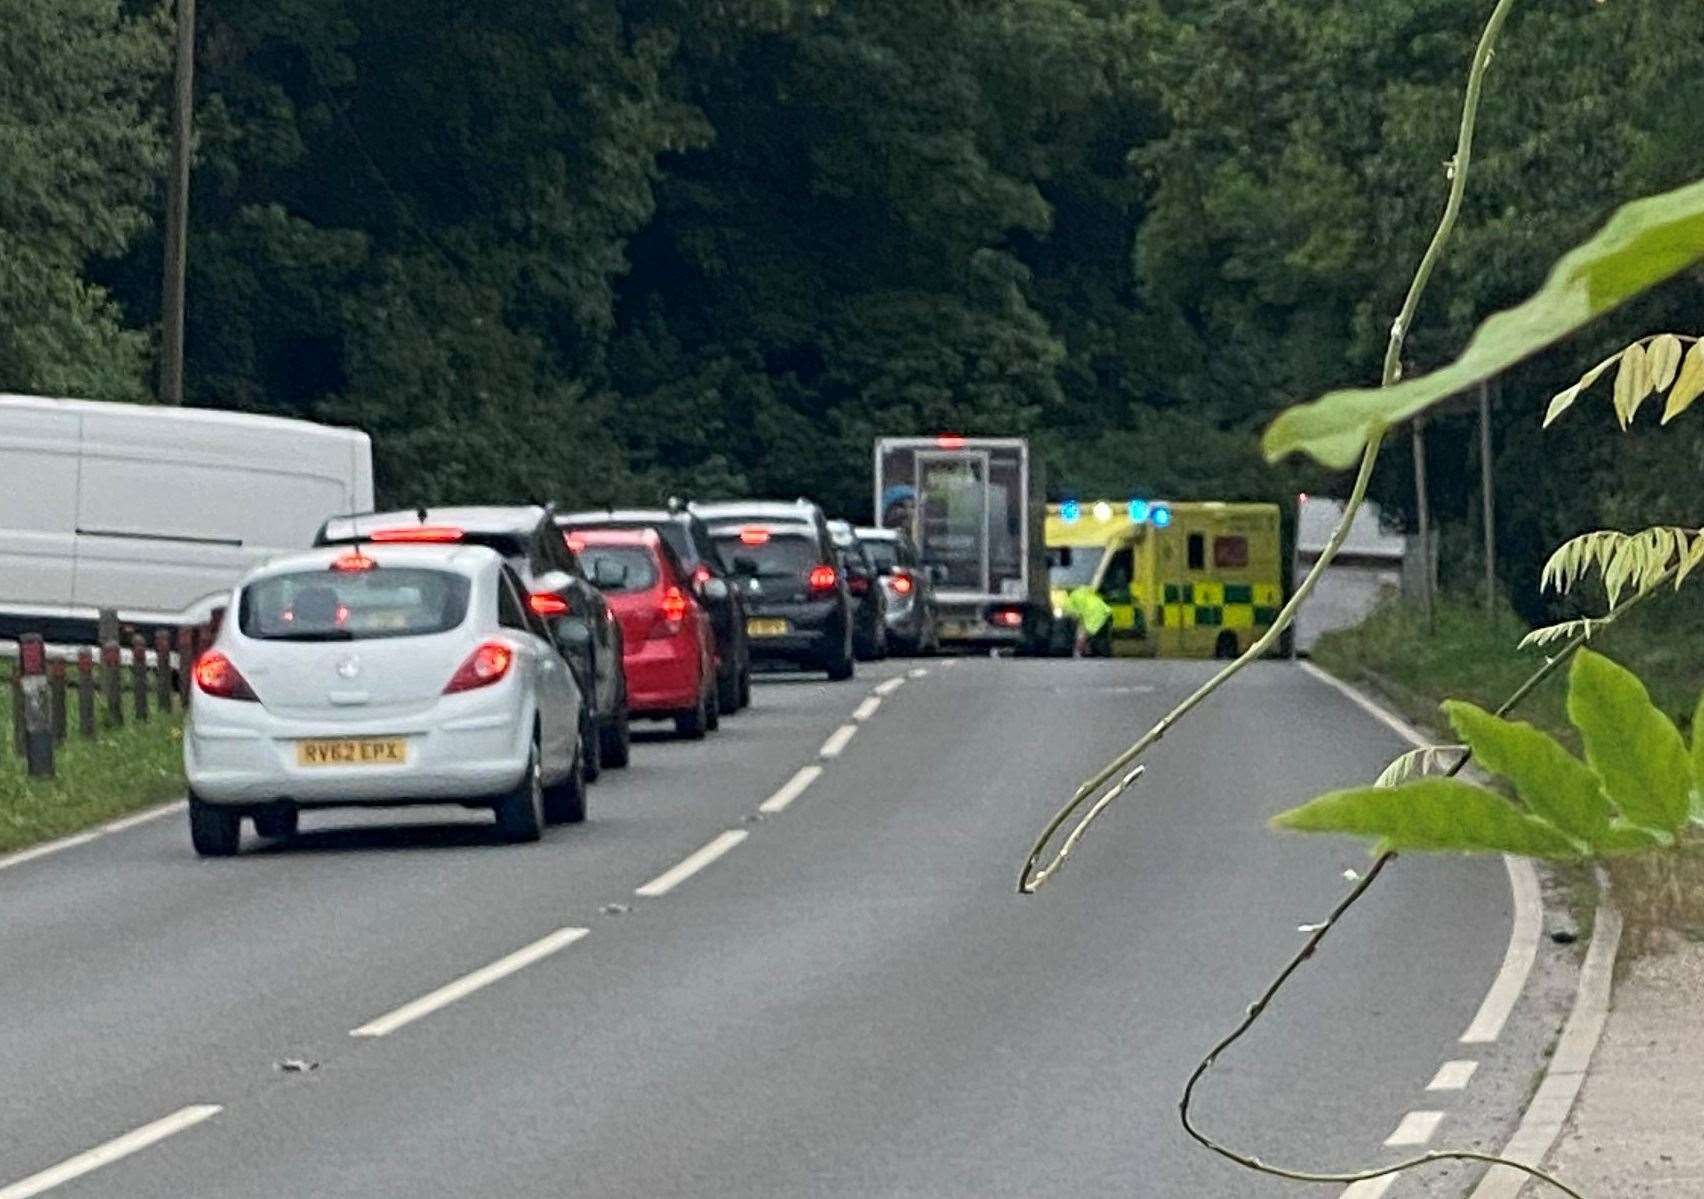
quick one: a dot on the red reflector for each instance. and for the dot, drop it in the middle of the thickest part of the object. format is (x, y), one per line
(484, 666)
(754, 536)
(545, 604)
(575, 542)
(1009, 618)
(902, 585)
(821, 578)
(950, 441)
(216, 676)
(701, 576)
(341, 616)
(433, 533)
(353, 563)
(857, 585)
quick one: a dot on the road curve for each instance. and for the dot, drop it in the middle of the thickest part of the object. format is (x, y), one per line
(849, 999)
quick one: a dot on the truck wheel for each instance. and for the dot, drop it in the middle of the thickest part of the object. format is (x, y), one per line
(520, 813)
(215, 831)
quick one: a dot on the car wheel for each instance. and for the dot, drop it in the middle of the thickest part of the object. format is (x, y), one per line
(215, 831)
(728, 692)
(694, 722)
(713, 720)
(591, 749)
(842, 668)
(520, 813)
(745, 687)
(277, 823)
(882, 644)
(565, 803)
(615, 740)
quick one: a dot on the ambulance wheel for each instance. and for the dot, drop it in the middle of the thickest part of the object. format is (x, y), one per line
(1226, 646)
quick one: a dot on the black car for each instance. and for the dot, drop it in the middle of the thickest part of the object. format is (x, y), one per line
(689, 538)
(863, 580)
(781, 554)
(579, 617)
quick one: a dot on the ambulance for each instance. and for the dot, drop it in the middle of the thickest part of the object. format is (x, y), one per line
(1170, 580)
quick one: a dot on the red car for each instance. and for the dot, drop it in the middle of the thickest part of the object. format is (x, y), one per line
(669, 646)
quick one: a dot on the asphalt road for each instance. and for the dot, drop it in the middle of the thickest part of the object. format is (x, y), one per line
(850, 1002)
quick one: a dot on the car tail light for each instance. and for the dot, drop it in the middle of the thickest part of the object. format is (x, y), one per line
(857, 584)
(353, 563)
(822, 578)
(701, 575)
(754, 536)
(575, 542)
(543, 603)
(216, 675)
(671, 610)
(902, 584)
(1008, 618)
(436, 534)
(484, 666)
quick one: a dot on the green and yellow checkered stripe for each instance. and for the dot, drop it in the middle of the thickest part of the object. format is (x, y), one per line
(1220, 605)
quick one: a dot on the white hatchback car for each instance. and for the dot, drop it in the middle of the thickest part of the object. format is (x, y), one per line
(380, 676)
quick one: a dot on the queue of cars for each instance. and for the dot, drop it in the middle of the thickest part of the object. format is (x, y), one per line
(497, 656)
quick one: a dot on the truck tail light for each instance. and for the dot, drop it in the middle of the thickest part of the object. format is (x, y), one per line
(484, 666)
(217, 675)
(1007, 618)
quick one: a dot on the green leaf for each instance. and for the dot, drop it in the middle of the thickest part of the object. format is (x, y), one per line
(1632, 384)
(1431, 814)
(1689, 386)
(1644, 243)
(1634, 748)
(1554, 784)
(1698, 761)
(1621, 839)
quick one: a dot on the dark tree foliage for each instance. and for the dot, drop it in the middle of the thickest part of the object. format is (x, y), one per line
(602, 250)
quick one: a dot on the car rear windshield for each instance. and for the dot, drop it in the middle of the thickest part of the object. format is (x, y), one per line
(669, 530)
(329, 605)
(640, 565)
(885, 554)
(780, 554)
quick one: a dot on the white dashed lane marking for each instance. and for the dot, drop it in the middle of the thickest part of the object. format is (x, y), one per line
(1417, 1128)
(791, 790)
(466, 985)
(867, 709)
(892, 685)
(673, 877)
(114, 1150)
(1452, 1076)
(838, 741)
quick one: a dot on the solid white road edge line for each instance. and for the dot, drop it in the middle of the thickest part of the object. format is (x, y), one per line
(790, 790)
(673, 877)
(114, 1150)
(1528, 922)
(837, 741)
(75, 839)
(1417, 1128)
(1453, 1076)
(891, 685)
(469, 983)
(867, 709)
(1550, 1105)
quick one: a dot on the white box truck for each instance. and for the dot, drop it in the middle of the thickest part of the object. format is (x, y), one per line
(153, 511)
(974, 508)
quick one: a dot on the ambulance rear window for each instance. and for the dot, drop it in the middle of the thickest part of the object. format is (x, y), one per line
(1230, 552)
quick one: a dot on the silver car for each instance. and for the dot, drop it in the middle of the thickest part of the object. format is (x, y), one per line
(911, 610)
(381, 675)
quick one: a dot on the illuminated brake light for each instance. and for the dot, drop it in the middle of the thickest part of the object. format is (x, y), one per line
(950, 441)
(1009, 618)
(353, 563)
(543, 603)
(216, 675)
(902, 584)
(754, 536)
(674, 605)
(437, 534)
(822, 578)
(484, 666)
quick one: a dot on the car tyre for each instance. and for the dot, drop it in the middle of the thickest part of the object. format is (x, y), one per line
(745, 687)
(277, 823)
(565, 802)
(520, 813)
(713, 718)
(215, 831)
(615, 740)
(728, 692)
(842, 668)
(694, 722)
(591, 749)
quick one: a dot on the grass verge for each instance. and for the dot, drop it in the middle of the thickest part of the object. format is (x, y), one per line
(1472, 655)
(119, 771)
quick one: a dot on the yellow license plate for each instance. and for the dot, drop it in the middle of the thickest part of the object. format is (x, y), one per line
(758, 627)
(353, 751)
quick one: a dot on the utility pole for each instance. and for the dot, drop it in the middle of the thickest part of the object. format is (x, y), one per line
(177, 211)
(1488, 498)
(1418, 429)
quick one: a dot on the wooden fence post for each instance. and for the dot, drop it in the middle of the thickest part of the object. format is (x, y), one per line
(186, 663)
(38, 706)
(17, 689)
(86, 692)
(139, 677)
(56, 687)
(163, 671)
(110, 685)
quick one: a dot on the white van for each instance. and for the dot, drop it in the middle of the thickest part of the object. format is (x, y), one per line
(156, 512)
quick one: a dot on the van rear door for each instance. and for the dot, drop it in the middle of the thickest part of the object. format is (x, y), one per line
(39, 443)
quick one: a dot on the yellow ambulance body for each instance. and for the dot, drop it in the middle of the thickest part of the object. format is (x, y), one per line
(1182, 580)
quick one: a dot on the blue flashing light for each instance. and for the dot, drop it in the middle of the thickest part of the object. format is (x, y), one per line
(1160, 515)
(1070, 512)
(1138, 511)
